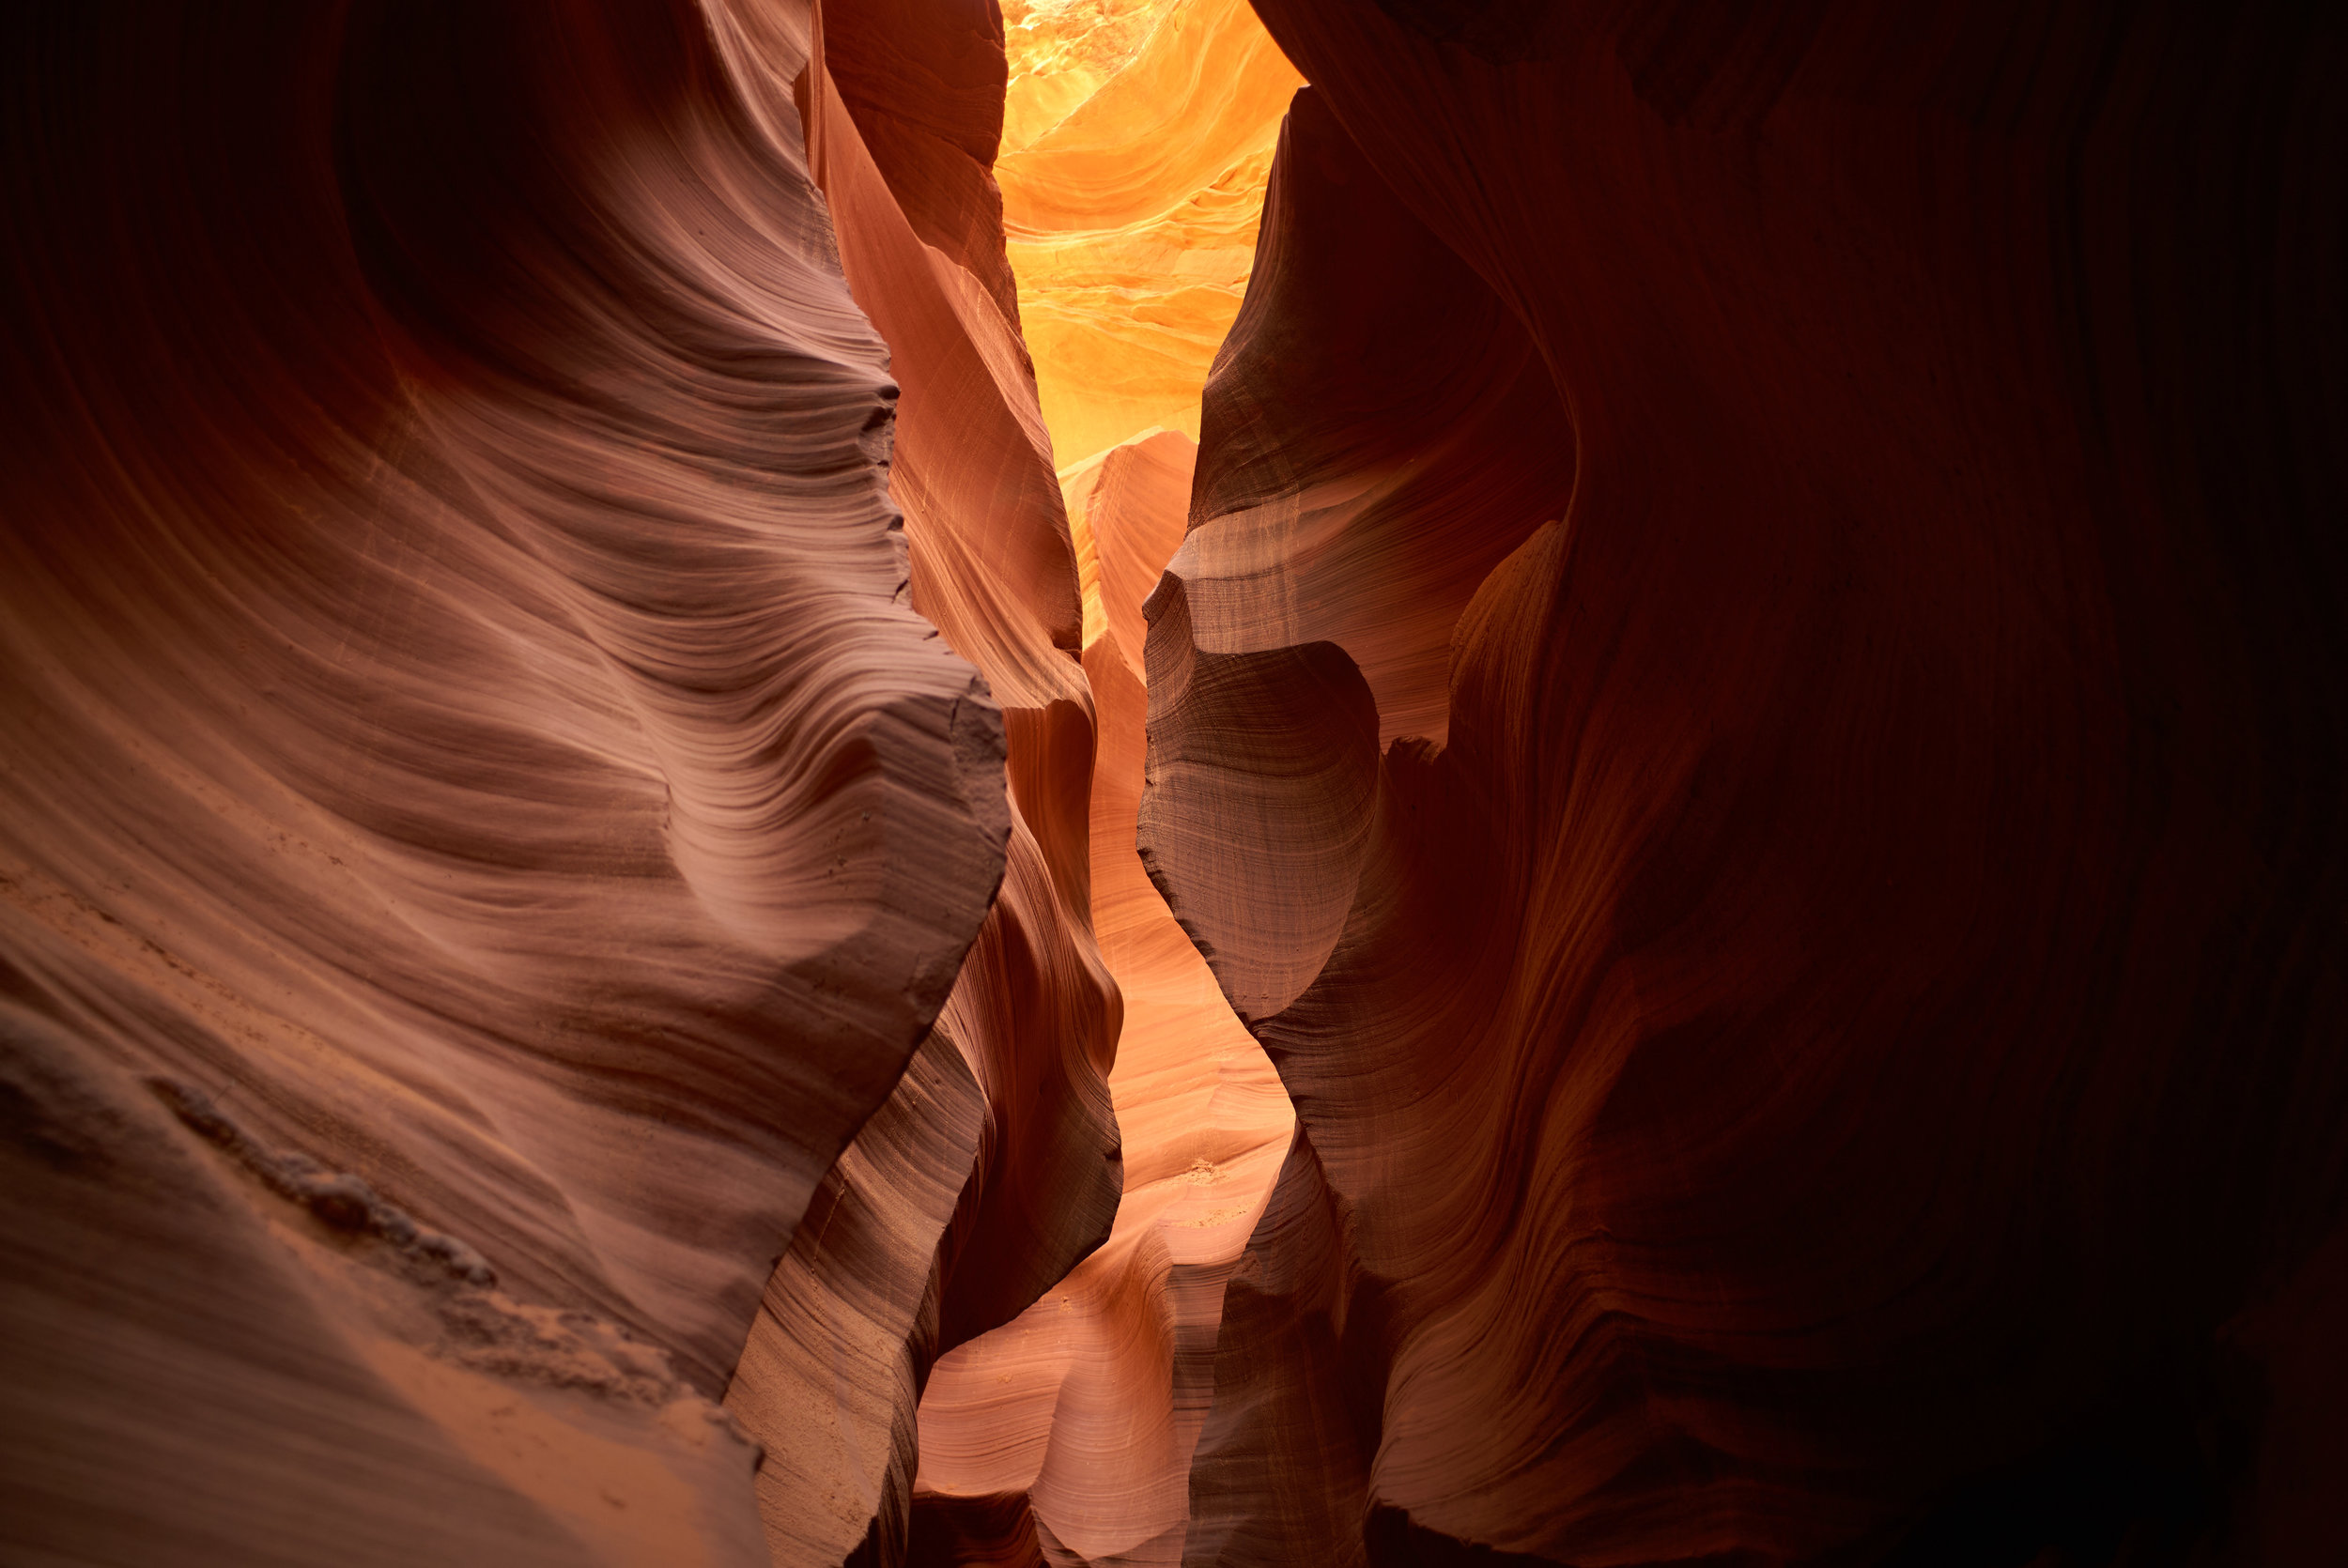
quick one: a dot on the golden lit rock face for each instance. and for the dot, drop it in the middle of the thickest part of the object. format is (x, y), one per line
(1060, 54)
(1136, 138)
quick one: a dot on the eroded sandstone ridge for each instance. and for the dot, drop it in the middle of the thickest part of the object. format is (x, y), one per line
(1134, 148)
(995, 1166)
(489, 814)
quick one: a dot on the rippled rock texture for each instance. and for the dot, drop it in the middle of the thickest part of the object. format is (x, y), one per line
(696, 869)
(996, 1164)
(1751, 711)
(1134, 146)
(489, 812)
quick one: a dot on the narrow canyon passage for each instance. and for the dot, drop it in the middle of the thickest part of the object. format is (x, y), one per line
(1137, 145)
(1133, 168)
(915, 783)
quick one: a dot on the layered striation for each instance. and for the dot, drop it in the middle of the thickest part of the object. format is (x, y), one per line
(995, 1166)
(1790, 865)
(489, 813)
(1134, 141)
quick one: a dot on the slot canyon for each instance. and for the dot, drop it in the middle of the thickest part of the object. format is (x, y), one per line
(1174, 783)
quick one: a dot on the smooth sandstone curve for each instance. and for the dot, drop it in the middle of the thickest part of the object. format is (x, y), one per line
(1835, 1056)
(468, 755)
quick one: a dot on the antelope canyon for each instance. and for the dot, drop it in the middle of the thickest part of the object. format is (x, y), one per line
(1203, 783)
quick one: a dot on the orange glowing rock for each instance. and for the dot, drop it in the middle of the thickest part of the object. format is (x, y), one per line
(1135, 144)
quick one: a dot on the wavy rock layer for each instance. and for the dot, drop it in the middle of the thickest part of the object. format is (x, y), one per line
(1818, 1061)
(469, 753)
(995, 1165)
(1132, 174)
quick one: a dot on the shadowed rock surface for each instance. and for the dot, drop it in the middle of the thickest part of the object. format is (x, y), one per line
(1836, 1055)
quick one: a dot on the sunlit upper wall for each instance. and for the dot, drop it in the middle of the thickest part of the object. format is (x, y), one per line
(1136, 138)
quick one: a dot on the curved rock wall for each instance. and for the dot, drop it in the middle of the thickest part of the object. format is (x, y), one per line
(475, 753)
(995, 1166)
(1818, 1063)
